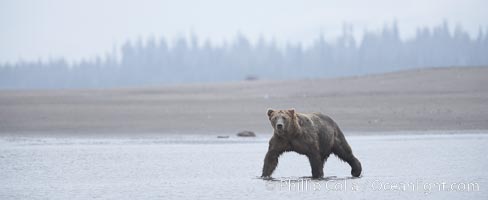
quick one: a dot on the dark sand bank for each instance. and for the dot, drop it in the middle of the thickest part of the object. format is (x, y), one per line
(427, 99)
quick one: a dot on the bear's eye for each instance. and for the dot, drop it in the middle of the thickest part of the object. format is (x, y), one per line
(274, 119)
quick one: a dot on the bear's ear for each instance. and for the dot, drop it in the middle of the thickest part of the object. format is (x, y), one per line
(270, 112)
(292, 112)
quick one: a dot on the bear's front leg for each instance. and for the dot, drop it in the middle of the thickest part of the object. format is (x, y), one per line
(276, 147)
(316, 165)
(270, 162)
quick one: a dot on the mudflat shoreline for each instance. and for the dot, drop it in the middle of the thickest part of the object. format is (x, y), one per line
(426, 99)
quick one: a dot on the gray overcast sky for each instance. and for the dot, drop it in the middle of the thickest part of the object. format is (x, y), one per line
(33, 29)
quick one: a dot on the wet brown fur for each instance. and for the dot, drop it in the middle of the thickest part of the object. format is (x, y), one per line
(314, 135)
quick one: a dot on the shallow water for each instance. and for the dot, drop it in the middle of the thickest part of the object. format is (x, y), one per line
(446, 166)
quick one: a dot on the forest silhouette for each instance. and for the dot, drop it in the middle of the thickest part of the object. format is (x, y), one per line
(187, 60)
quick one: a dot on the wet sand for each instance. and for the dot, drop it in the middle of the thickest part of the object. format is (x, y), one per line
(409, 166)
(161, 142)
(427, 99)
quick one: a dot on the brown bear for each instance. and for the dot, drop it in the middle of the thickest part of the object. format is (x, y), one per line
(314, 135)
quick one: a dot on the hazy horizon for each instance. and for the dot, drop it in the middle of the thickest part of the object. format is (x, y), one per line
(52, 29)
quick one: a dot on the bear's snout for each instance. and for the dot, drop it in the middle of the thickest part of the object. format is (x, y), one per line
(279, 126)
(280, 123)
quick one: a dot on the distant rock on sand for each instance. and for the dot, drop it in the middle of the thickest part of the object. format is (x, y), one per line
(246, 134)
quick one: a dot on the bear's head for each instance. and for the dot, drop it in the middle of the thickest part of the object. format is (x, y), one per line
(283, 121)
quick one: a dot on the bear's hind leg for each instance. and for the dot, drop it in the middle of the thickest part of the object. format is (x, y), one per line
(317, 165)
(324, 159)
(344, 152)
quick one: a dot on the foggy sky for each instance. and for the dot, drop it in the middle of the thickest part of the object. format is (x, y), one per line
(33, 29)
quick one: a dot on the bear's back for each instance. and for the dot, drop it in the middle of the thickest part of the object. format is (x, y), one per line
(313, 122)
